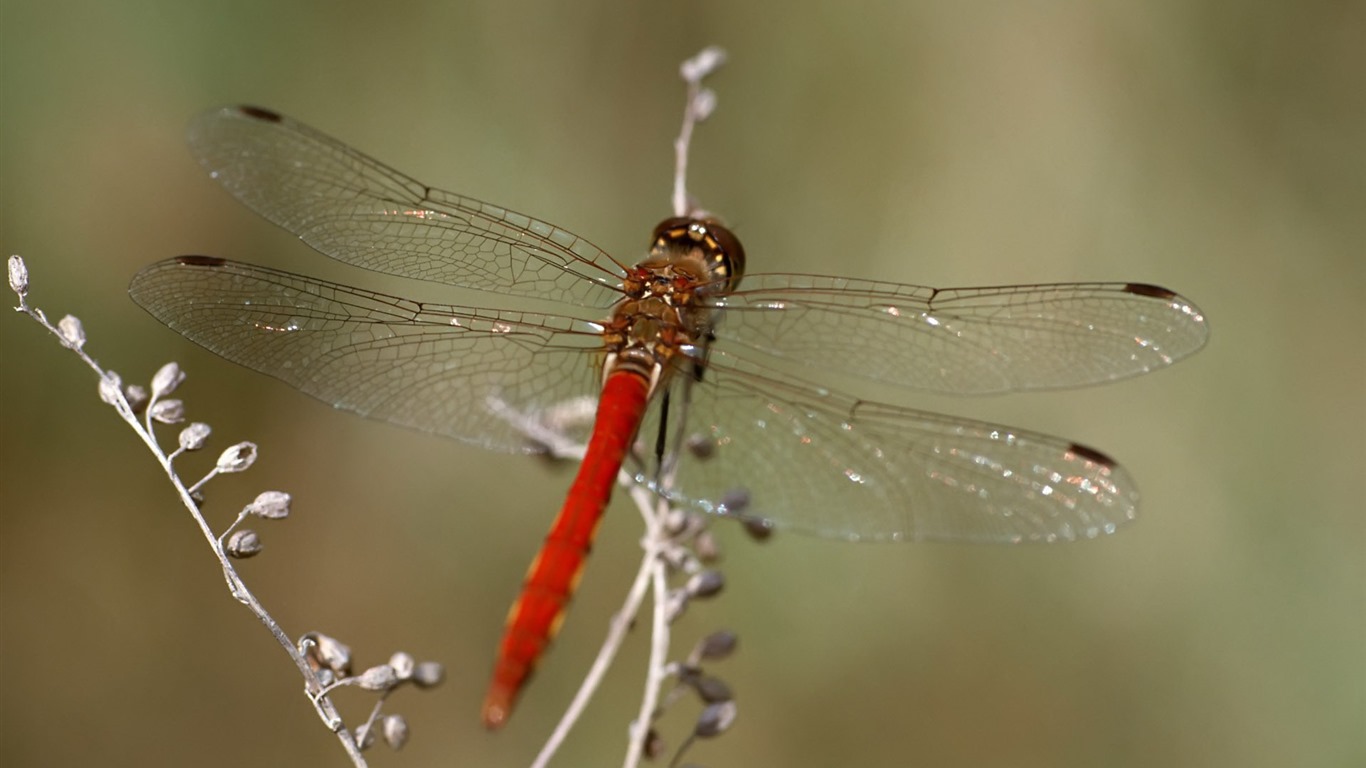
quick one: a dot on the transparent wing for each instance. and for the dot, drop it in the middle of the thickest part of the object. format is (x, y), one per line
(825, 463)
(963, 340)
(465, 373)
(360, 211)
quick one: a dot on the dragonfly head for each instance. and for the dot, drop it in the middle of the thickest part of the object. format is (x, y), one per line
(721, 251)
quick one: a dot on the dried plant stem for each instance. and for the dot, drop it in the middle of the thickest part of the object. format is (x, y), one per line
(111, 391)
(700, 104)
(653, 571)
(660, 637)
(611, 644)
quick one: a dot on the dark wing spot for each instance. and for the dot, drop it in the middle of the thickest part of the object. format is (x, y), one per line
(1147, 289)
(260, 113)
(201, 261)
(1091, 454)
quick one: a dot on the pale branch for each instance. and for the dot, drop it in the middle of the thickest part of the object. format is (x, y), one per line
(323, 663)
(701, 102)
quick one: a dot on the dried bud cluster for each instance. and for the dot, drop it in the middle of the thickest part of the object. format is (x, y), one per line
(719, 709)
(269, 505)
(331, 660)
(693, 549)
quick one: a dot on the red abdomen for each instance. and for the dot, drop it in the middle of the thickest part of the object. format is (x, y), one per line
(554, 574)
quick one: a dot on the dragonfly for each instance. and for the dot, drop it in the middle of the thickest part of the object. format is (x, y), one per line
(680, 346)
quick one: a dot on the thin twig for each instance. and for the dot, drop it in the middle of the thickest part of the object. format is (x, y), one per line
(660, 637)
(559, 446)
(701, 102)
(72, 336)
(616, 634)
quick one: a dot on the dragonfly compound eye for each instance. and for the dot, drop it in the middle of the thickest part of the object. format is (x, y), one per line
(722, 253)
(729, 256)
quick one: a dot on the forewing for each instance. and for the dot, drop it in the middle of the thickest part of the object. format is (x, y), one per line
(963, 340)
(477, 375)
(360, 211)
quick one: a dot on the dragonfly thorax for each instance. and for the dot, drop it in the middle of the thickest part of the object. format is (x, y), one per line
(665, 311)
(646, 333)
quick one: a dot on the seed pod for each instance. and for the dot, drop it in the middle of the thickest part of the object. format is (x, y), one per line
(237, 458)
(168, 411)
(758, 528)
(715, 719)
(167, 378)
(654, 745)
(380, 678)
(244, 543)
(707, 548)
(705, 583)
(72, 332)
(193, 437)
(395, 730)
(735, 501)
(717, 645)
(110, 387)
(428, 674)
(328, 652)
(136, 395)
(700, 446)
(271, 505)
(403, 665)
(18, 276)
(712, 690)
(365, 735)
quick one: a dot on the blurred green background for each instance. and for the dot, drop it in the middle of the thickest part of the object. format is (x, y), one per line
(1217, 148)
